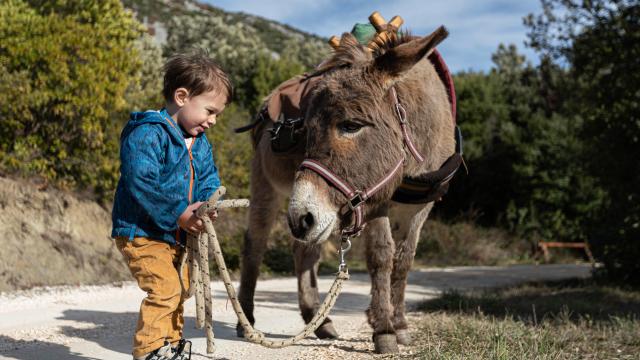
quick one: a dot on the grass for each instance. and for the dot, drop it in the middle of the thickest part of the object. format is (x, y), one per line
(464, 243)
(564, 320)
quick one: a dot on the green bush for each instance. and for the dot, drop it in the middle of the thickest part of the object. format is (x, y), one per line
(521, 153)
(65, 68)
(599, 41)
(279, 259)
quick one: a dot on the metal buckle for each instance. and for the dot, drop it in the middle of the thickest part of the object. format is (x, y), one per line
(275, 130)
(356, 200)
(343, 251)
(351, 233)
(291, 123)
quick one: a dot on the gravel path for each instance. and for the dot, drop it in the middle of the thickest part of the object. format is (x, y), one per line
(96, 322)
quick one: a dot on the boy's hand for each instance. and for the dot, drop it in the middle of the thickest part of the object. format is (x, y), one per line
(188, 220)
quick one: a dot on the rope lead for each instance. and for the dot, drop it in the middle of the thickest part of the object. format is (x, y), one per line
(197, 256)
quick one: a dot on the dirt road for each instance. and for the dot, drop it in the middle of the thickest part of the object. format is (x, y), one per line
(96, 322)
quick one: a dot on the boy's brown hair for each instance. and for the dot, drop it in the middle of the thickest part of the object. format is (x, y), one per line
(195, 72)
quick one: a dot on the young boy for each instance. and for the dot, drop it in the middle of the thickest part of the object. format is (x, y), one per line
(166, 172)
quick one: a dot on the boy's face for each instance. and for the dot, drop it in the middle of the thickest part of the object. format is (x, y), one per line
(198, 113)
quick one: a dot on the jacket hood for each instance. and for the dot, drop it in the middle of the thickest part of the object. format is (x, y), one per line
(151, 117)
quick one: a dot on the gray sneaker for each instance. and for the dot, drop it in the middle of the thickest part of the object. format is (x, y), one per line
(163, 353)
(182, 351)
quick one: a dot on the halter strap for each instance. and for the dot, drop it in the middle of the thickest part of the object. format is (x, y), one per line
(355, 198)
(401, 113)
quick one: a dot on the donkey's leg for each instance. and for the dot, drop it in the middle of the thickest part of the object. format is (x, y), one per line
(407, 221)
(379, 250)
(262, 214)
(306, 263)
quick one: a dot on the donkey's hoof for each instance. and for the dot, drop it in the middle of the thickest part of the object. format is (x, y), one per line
(403, 337)
(239, 330)
(385, 343)
(326, 331)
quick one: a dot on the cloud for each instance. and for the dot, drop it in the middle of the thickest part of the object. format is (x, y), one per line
(476, 27)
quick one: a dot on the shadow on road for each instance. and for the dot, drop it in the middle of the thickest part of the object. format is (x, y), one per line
(105, 328)
(23, 350)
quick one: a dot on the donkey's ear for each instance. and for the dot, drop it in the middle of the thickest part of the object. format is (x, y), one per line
(403, 57)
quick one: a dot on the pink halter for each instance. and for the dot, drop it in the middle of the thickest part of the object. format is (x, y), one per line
(356, 198)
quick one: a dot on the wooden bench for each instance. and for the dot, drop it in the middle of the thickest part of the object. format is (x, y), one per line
(545, 245)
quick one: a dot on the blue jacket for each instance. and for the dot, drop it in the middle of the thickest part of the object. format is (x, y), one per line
(156, 176)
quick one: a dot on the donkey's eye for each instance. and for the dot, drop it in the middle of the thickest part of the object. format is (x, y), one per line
(349, 126)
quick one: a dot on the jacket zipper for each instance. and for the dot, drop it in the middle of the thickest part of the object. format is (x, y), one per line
(191, 178)
(191, 174)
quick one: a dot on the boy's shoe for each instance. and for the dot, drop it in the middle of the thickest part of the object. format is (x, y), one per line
(182, 351)
(163, 353)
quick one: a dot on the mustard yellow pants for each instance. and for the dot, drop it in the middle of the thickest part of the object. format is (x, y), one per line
(154, 265)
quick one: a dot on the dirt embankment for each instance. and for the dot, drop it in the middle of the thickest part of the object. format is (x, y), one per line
(50, 237)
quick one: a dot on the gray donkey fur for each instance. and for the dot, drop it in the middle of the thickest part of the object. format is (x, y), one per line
(353, 130)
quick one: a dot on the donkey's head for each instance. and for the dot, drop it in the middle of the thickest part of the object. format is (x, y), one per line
(354, 131)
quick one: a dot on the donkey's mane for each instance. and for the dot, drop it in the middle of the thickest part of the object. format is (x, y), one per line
(351, 52)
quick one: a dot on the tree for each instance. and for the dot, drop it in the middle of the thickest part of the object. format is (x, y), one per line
(266, 75)
(65, 68)
(521, 152)
(146, 93)
(599, 42)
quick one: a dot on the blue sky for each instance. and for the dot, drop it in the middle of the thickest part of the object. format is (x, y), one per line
(476, 27)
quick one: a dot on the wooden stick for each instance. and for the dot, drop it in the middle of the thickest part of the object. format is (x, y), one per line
(334, 41)
(396, 21)
(383, 32)
(377, 21)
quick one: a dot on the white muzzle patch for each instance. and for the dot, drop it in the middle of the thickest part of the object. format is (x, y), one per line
(307, 202)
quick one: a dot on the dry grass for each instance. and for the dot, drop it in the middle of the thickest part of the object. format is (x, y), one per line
(568, 320)
(464, 243)
(440, 244)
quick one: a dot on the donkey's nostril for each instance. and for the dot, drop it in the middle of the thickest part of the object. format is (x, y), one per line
(306, 222)
(300, 227)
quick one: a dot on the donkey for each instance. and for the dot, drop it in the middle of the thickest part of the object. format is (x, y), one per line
(356, 131)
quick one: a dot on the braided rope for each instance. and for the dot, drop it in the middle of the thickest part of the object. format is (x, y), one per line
(198, 250)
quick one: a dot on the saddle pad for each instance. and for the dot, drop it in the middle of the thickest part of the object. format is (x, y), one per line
(290, 96)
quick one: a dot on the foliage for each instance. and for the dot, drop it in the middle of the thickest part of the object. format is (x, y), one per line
(232, 152)
(276, 39)
(521, 153)
(553, 148)
(600, 42)
(279, 259)
(268, 73)
(234, 46)
(65, 68)
(255, 76)
(147, 92)
(257, 54)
